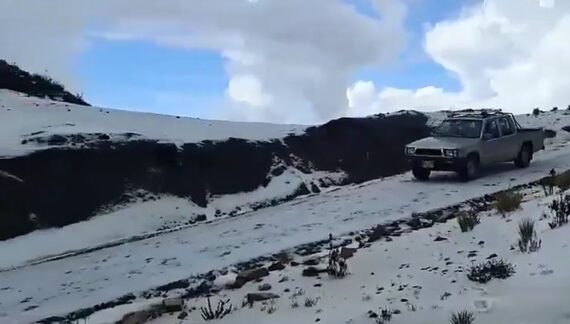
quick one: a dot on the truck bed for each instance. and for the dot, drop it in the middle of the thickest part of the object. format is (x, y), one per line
(535, 135)
(526, 130)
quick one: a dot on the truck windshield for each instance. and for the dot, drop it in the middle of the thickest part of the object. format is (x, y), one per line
(459, 128)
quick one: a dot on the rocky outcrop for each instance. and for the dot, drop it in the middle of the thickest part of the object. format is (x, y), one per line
(347, 253)
(175, 304)
(276, 266)
(264, 287)
(313, 271)
(260, 296)
(138, 317)
(249, 275)
(69, 184)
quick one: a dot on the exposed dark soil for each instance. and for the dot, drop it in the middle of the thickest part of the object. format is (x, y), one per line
(88, 172)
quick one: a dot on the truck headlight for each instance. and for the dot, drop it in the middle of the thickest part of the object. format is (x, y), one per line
(451, 153)
(410, 150)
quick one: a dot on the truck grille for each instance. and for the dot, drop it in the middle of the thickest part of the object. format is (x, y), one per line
(430, 152)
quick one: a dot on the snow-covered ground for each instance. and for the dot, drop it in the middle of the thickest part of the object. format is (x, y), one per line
(426, 280)
(32, 292)
(22, 116)
(142, 219)
(85, 280)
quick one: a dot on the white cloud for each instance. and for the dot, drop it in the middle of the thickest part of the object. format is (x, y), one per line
(34, 36)
(301, 52)
(248, 89)
(512, 54)
(547, 3)
(362, 97)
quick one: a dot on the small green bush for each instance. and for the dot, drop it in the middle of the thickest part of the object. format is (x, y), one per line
(506, 202)
(528, 241)
(462, 317)
(548, 185)
(560, 209)
(562, 181)
(467, 221)
(224, 308)
(310, 302)
(485, 271)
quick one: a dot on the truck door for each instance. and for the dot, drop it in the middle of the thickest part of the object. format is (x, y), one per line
(491, 145)
(509, 146)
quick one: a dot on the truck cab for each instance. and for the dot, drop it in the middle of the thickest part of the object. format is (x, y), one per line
(466, 141)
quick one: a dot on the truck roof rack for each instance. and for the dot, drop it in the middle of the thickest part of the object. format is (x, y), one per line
(475, 113)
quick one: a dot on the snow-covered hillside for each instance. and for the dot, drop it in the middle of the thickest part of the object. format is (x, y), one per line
(79, 162)
(86, 279)
(158, 238)
(420, 277)
(24, 117)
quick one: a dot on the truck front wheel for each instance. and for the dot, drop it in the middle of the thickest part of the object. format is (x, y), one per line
(524, 157)
(470, 169)
(421, 173)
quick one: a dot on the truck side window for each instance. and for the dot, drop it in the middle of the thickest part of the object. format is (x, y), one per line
(492, 130)
(506, 127)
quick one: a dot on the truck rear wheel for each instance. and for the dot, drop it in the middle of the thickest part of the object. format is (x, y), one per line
(421, 173)
(524, 157)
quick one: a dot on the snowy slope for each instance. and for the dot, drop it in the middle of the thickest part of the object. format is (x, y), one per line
(85, 280)
(21, 116)
(144, 218)
(426, 280)
(82, 280)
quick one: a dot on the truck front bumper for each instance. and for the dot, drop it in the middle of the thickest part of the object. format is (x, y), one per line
(437, 163)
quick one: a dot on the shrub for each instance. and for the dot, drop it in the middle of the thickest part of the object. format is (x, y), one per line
(506, 202)
(269, 307)
(528, 241)
(223, 309)
(386, 314)
(294, 303)
(337, 266)
(548, 185)
(298, 292)
(47, 82)
(366, 298)
(467, 221)
(485, 271)
(384, 317)
(536, 112)
(562, 181)
(310, 302)
(554, 109)
(560, 209)
(462, 317)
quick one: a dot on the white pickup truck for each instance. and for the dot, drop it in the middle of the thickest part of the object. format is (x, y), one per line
(466, 141)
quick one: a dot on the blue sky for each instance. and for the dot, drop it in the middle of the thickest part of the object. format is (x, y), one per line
(415, 68)
(135, 75)
(139, 75)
